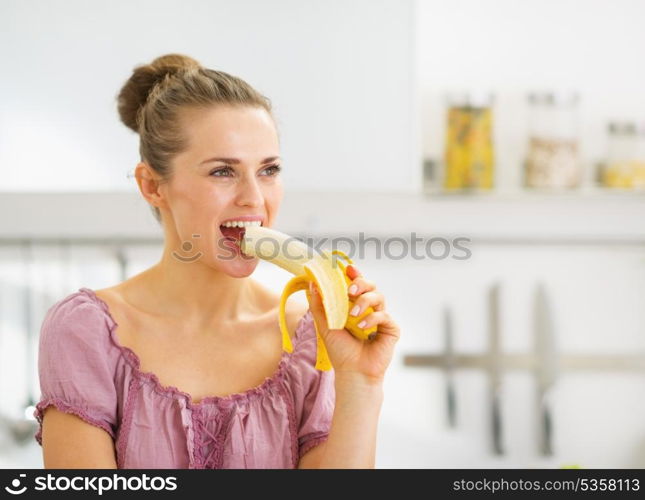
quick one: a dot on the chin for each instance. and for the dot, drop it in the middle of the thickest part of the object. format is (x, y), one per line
(237, 267)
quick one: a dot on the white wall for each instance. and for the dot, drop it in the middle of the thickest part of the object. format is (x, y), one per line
(513, 47)
(339, 75)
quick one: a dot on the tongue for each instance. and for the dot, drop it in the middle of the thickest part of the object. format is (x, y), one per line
(234, 233)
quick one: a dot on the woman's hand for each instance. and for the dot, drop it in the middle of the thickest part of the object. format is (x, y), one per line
(349, 355)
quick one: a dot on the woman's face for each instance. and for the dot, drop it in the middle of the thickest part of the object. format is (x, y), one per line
(203, 191)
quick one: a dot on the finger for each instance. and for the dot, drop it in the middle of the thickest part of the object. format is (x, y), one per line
(361, 286)
(387, 334)
(374, 299)
(374, 319)
(352, 271)
(387, 329)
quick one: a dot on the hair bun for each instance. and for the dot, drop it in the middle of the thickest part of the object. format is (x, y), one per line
(134, 93)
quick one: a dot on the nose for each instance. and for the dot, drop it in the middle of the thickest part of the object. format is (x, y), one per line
(250, 193)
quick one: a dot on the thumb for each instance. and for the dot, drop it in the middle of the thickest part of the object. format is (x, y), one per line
(317, 308)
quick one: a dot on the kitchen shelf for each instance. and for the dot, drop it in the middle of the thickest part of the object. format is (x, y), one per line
(593, 194)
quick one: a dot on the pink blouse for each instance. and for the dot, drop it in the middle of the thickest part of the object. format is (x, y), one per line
(84, 370)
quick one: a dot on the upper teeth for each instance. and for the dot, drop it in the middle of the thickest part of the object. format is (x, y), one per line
(240, 223)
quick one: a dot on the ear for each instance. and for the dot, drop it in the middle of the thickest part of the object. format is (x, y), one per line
(148, 182)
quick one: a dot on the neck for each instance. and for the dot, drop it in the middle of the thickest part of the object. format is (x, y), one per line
(197, 293)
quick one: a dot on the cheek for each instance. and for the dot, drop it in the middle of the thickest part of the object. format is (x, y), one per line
(188, 189)
(273, 195)
(197, 203)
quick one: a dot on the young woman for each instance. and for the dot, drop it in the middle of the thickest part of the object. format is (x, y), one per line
(181, 366)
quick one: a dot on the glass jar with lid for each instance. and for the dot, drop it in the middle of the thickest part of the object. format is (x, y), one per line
(639, 164)
(625, 163)
(553, 156)
(468, 151)
(622, 142)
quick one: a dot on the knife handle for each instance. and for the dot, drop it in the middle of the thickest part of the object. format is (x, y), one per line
(547, 429)
(496, 415)
(451, 402)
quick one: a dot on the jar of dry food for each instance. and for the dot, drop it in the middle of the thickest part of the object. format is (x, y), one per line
(621, 153)
(468, 150)
(553, 156)
(624, 166)
(639, 164)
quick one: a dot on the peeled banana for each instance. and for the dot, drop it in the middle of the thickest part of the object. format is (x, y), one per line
(325, 269)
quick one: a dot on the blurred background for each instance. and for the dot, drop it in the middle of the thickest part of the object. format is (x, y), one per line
(507, 137)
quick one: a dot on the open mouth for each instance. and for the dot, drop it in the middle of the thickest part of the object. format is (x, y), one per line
(234, 234)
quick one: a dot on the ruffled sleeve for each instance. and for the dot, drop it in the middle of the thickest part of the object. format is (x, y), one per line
(313, 390)
(74, 368)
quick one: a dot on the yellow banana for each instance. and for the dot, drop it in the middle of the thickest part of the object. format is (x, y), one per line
(325, 269)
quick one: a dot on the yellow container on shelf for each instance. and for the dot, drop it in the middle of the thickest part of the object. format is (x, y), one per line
(469, 152)
(625, 164)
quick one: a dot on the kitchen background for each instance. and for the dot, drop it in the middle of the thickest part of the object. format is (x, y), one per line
(395, 116)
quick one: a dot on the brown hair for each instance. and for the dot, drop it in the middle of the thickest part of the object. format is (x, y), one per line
(150, 101)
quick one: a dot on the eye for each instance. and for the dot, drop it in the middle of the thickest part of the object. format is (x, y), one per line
(275, 169)
(225, 169)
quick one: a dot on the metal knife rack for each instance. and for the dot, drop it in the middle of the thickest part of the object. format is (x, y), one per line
(567, 362)
(495, 363)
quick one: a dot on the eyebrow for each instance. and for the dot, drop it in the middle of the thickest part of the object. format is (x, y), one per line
(236, 161)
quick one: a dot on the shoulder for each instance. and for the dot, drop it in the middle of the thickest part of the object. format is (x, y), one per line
(78, 306)
(77, 363)
(79, 320)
